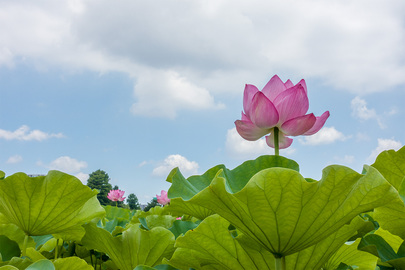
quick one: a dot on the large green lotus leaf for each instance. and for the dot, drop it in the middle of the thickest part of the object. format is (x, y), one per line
(376, 245)
(164, 221)
(135, 246)
(49, 204)
(180, 227)
(182, 189)
(391, 165)
(41, 265)
(323, 252)
(16, 234)
(8, 267)
(350, 255)
(211, 246)
(71, 263)
(2, 175)
(18, 262)
(285, 213)
(155, 217)
(157, 267)
(8, 248)
(112, 212)
(34, 255)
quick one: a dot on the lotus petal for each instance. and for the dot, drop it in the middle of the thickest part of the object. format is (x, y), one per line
(262, 112)
(273, 88)
(291, 103)
(283, 141)
(299, 125)
(320, 121)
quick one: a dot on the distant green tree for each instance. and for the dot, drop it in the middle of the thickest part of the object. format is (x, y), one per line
(100, 180)
(151, 204)
(133, 202)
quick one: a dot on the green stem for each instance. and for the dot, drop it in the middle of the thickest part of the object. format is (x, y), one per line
(24, 249)
(57, 249)
(280, 263)
(276, 147)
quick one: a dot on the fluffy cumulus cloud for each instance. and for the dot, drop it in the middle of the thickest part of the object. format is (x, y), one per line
(24, 133)
(163, 93)
(326, 135)
(239, 148)
(180, 53)
(14, 159)
(384, 144)
(362, 112)
(186, 167)
(67, 164)
(82, 177)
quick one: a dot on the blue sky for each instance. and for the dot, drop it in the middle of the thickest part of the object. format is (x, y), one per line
(137, 88)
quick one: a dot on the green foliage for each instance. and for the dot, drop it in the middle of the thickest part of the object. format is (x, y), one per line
(284, 213)
(153, 203)
(100, 180)
(8, 248)
(51, 204)
(182, 190)
(132, 201)
(261, 215)
(151, 246)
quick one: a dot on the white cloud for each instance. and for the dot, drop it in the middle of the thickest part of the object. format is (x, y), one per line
(82, 177)
(239, 148)
(14, 159)
(384, 144)
(143, 163)
(326, 135)
(186, 167)
(163, 93)
(360, 110)
(346, 160)
(24, 133)
(202, 48)
(67, 164)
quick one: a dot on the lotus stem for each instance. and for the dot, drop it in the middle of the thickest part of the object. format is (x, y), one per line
(276, 147)
(280, 263)
(24, 249)
(57, 249)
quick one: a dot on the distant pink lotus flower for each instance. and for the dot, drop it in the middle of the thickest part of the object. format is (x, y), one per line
(162, 199)
(279, 105)
(116, 195)
(178, 218)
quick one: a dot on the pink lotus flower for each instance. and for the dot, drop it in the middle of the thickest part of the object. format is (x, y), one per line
(162, 199)
(116, 195)
(279, 105)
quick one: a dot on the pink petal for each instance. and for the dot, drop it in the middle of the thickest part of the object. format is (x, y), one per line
(302, 82)
(288, 84)
(320, 121)
(291, 103)
(250, 91)
(283, 141)
(299, 125)
(273, 88)
(249, 131)
(262, 112)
